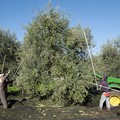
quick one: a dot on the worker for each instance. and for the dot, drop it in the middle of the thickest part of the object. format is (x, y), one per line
(105, 93)
(2, 91)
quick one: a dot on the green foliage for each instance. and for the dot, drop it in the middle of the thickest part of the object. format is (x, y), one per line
(111, 57)
(45, 90)
(54, 59)
(98, 64)
(72, 90)
(8, 51)
(13, 89)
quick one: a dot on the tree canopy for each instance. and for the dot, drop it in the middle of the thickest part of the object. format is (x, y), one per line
(111, 57)
(54, 59)
(8, 51)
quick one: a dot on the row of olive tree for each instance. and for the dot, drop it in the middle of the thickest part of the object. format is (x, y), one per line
(108, 61)
(9, 47)
(53, 58)
(111, 57)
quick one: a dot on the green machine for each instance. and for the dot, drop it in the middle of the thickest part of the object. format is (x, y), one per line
(114, 86)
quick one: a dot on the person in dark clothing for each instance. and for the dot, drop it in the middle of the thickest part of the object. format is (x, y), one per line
(2, 91)
(105, 93)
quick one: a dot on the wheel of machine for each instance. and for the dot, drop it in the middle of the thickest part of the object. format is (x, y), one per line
(114, 98)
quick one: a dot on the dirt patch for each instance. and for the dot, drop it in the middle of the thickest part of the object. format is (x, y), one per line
(32, 109)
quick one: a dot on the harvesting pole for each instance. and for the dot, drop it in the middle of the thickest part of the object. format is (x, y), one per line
(90, 56)
(2, 69)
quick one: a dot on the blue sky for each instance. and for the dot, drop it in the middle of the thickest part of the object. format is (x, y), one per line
(101, 16)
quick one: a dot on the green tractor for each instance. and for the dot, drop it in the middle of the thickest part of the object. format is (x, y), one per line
(114, 85)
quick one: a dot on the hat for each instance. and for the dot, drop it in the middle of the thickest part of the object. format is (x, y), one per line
(1, 75)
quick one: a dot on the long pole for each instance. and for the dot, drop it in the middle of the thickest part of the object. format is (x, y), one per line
(107, 87)
(16, 71)
(3, 64)
(90, 56)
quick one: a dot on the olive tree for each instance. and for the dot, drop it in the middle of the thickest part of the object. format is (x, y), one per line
(54, 59)
(111, 57)
(9, 47)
